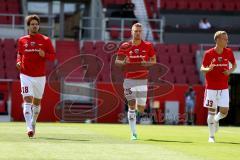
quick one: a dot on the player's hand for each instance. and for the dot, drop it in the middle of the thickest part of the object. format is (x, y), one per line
(210, 67)
(226, 72)
(41, 53)
(18, 65)
(126, 60)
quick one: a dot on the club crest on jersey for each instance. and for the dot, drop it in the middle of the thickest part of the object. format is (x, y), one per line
(26, 45)
(136, 51)
(32, 43)
(220, 59)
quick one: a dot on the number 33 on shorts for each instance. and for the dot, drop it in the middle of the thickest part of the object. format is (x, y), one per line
(128, 91)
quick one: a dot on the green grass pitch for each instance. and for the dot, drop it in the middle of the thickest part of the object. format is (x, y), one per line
(70, 141)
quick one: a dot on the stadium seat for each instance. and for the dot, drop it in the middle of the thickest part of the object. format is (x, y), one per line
(99, 45)
(187, 59)
(2, 106)
(114, 33)
(171, 4)
(169, 77)
(178, 70)
(194, 5)
(217, 5)
(88, 47)
(184, 48)
(12, 74)
(127, 32)
(10, 54)
(193, 79)
(181, 79)
(190, 69)
(160, 48)
(172, 49)
(194, 48)
(206, 5)
(182, 5)
(175, 59)
(164, 59)
(4, 20)
(2, 74)
(9, 43)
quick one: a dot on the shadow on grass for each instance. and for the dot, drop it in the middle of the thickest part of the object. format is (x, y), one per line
(237, 143)
(63, 139)
(168, 141)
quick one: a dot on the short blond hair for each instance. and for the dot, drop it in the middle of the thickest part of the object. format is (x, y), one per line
(218, 33)
(136, 25)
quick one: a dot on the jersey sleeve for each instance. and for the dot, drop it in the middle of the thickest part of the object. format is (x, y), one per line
(232, 58)
(206, 60)
(151, 51)
(123, 49)
(50, 53)
(19, 51)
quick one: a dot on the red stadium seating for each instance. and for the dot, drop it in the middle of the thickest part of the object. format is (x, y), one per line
(181, 79)
(172, 49)
(2, 106)
(164, 59)
(190, 69)
(188, 59)
(161, 48)
(2, 74)
(169, 77)
(115, 34)
(176, 59)
(9, 43)
(193, 79)
(178, 70)
(88, 47)
(206, 5)
(182, 5)
(184, 48)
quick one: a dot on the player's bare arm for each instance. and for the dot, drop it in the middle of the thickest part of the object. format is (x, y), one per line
(41, 53)
(228, 72)
(121, 60)
(207, 69)
(152, 61)
(18, 65)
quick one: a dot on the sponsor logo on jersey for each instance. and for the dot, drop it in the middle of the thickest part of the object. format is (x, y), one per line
(32, 50)
(32, 43)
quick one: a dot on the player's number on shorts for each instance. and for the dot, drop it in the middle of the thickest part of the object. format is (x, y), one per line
(209, 103)
(24, 89)
(128, 91)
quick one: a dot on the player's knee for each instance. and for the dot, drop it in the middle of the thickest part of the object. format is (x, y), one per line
(36, 101)
(28, 99)
(211, 111)
(224, 111)
(132, 104)
(141, 108)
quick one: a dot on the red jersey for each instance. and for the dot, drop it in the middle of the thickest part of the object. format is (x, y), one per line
(215, 79)
(32, 64)
(136, 54)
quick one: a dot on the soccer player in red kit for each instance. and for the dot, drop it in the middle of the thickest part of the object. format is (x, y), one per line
(33, 51)
(216, 67)
(138, 54)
